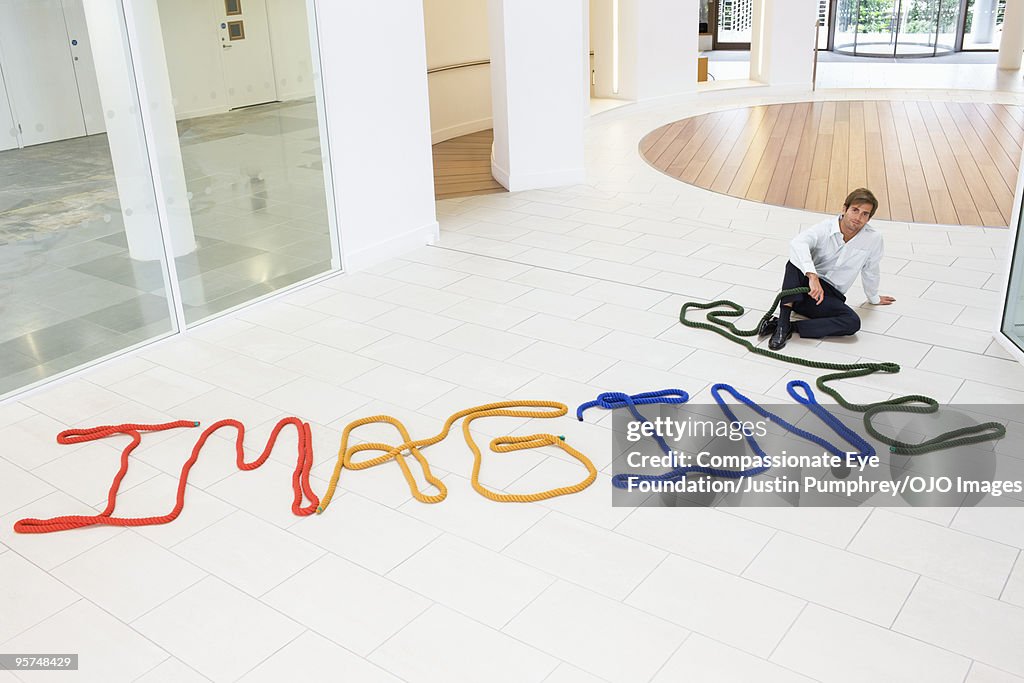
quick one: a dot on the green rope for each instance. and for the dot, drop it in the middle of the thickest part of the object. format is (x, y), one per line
(902, 404)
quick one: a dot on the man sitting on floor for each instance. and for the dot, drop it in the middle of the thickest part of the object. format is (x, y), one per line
(827, 258)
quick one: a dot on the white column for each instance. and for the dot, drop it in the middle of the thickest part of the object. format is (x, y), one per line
(657, 48)
(1011, 45)
(129, 146)
(983, 23)
(374, 73)
(537, 50)
(782, 45)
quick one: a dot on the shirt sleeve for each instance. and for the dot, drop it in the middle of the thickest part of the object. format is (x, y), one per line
(801, 248)
(871, 274)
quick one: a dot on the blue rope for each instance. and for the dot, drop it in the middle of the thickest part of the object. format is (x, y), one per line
(613, 400)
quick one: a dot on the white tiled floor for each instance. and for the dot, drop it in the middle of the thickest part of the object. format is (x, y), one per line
(557, 295)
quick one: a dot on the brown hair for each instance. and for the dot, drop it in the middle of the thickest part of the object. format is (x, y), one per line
(861, 195)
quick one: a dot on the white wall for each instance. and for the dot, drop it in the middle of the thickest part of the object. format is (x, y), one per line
(782, 45)
(460, 99)
(192, 38)
(538, 86)
(375, 92)
(8, 133)
(657, 48)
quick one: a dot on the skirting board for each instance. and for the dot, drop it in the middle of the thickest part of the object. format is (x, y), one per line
(449, 132)
(537, 181)
(366, 257)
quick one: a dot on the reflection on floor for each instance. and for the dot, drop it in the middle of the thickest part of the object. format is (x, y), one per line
(462, 166)
(69, 291)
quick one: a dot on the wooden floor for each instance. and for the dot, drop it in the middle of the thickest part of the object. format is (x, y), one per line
(928, 162)
(462, 166)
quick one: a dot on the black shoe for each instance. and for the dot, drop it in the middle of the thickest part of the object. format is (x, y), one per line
(780, 336)
(767, 326)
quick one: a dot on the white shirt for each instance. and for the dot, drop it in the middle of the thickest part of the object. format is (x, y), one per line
(820, 249)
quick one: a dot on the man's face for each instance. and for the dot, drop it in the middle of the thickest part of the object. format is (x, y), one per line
(856, 216)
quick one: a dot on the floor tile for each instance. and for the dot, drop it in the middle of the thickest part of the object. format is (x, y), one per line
(351, 606)
(247, 552)
(314, 400)
(128, 575)
(959, 559)
(307, 657)
(592, 632)
(703, 660)
(582, 553)
(494, 590)
(29, 595)
(857, 586)
(217, 629)
(822, 638)
(981, 628)
(433, 648)
(715, 605)
(352, 527)
(107, 649)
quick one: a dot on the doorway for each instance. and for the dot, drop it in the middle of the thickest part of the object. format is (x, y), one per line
(47, 64)
(246, 53)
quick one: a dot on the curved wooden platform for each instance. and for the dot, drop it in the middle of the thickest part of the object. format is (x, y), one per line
(462, 166)
(927, 161)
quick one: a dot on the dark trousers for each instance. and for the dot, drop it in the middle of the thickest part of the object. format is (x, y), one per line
(831, 318)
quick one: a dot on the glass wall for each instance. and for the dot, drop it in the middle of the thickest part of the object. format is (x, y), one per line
(983, 24)
(896, 28)
(1013, 312)
(249, 136)
(230, 143)
(734, 22)
(82, 268)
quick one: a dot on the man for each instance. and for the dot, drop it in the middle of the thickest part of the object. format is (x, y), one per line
(827, 258)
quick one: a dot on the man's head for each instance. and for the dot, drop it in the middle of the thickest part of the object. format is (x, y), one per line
(859, 207)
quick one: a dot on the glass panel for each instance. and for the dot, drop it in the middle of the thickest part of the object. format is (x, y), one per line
(917, 27)
(823, 24)
(877, 27)
(846, 26)
(735, 19)
(249, 138)
(984, 24)
(81, 259)
(1013, 314)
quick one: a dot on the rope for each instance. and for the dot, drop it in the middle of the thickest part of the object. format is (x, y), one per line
(300, 478)
(957, 437)
(613, 400)
(506, 444)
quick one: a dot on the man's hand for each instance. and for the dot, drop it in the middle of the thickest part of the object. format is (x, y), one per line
(816, 293)
(885, 300)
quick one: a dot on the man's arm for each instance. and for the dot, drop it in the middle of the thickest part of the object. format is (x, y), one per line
(801, 250)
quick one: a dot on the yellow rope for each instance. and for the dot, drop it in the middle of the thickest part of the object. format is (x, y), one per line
(504, 444)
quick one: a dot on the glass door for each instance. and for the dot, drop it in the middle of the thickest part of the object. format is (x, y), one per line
(983, 24)
(733, 24)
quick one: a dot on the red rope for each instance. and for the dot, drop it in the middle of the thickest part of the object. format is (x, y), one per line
(300, 478)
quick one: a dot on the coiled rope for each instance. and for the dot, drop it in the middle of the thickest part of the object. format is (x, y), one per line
(505, 444)
(717, 323)
(300, 478)
(613, 400)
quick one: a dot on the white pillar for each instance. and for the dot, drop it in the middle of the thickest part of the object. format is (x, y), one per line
(116, 75)
(374, 73)
(983, 23)
(657, 48)
(783, 42)
(537, 48)
(1011, 45)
